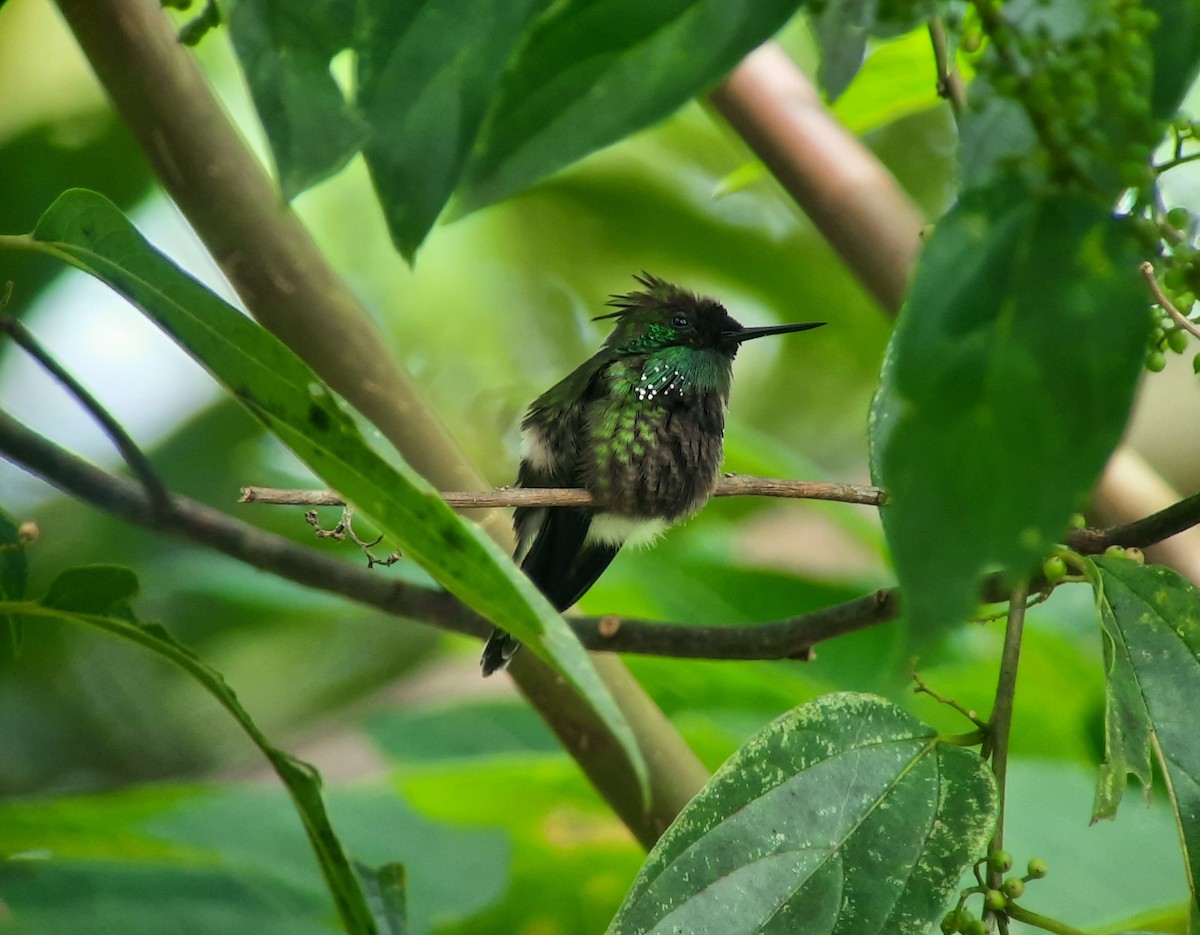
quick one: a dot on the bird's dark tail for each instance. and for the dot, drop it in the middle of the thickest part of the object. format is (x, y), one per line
(562, 564)
(497, 651)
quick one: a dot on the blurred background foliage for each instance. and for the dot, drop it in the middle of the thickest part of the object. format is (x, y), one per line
(429, 765)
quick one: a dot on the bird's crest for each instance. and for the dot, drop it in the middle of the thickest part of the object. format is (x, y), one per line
(658, 293)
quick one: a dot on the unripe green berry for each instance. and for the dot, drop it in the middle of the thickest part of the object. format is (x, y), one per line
(1115, 551)
(1179, 218)
(1078, 521)
(950, 923)
(994, 900)
(1055, 569)
(1196, 364)
(1037, 868)
(1000, 861)
(974, 927)
(1013, 888)
(1155, 361)
(1135, 554)
(1178, 341)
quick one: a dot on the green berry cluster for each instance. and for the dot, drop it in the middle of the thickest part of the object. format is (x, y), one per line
(1085, 91)
(1171, 234)
(995, 901)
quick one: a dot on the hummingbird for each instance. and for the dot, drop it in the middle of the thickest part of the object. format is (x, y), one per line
(641, 425)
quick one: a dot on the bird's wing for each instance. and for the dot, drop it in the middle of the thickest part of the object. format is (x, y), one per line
(552, 541)
(560, 561)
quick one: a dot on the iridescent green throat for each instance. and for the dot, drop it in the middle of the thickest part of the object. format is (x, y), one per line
(674, 371)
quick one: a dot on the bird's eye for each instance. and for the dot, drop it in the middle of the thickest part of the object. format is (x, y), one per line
(681, 321)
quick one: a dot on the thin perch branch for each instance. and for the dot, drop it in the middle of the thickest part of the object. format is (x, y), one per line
(788, 638)
(730, 485)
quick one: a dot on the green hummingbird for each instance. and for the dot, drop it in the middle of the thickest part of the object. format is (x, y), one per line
(640, 425)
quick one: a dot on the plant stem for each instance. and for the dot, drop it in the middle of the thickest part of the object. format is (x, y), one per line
(950, 82)
(1021, 914)
(1000, 723)
(156, 490)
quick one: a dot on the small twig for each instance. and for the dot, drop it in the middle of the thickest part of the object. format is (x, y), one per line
(730, 485)
(138, 463)
(949, 82)
(923, 688)
(1168, 306)
(344, 529)
(1040, 597)
(1037, 920)
(1000, 723)
(1174, 163)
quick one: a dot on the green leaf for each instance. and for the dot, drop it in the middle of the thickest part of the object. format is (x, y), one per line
(14, 575)
(570, 859)
(1150, 617)
(845, 815)
(229, 860)
(386, 894)
(594, 71)
(302, 782)
(285, 49)
(106, 590)
(86, 231)
(427, 73)
(897, 79)
(1006, 385)
(1175, 45)
(841, 29)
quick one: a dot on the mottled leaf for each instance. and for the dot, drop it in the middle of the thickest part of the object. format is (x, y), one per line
(845, 815)
(1150, 618)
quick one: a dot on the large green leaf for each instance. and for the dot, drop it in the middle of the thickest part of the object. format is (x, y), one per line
(845, 815)
(107, 590)
(1150, 617)
(225, 861)
(594, 71)
(1175, 45)
(85, 230)
(285, 49)
(1007, 383)
(14, 573)
(427, 73)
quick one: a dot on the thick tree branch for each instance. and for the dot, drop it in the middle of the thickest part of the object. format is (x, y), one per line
(839, 183)
(730, 485)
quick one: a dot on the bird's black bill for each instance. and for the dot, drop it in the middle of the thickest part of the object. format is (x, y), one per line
(747, 334)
